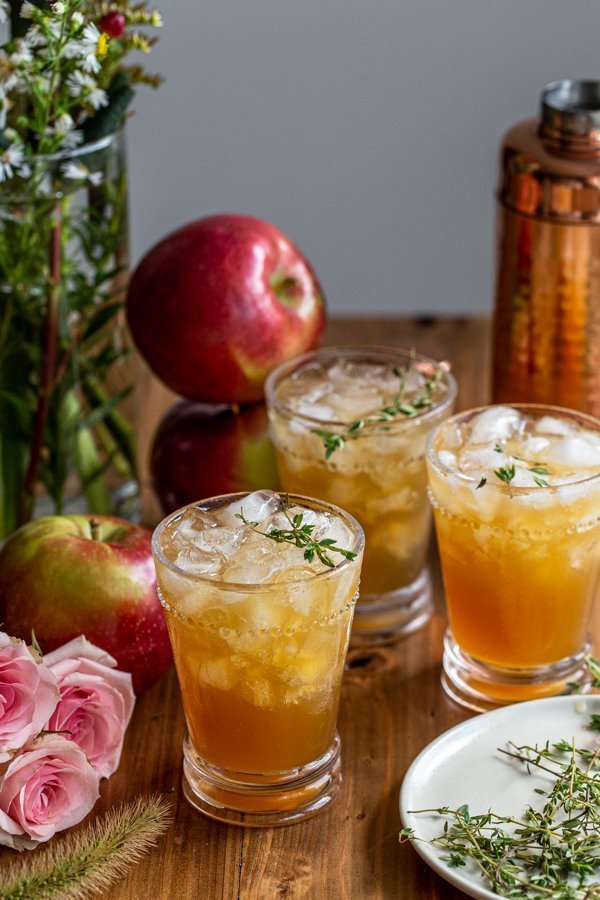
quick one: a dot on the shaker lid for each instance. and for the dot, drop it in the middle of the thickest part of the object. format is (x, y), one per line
(571, 108)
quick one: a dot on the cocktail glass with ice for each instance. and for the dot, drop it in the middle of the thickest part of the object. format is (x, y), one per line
(259, 591)
(516, 496)
(349, 424)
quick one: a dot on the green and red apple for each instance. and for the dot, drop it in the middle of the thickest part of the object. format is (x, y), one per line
(201, 450)
(62, 576)
(219, 303)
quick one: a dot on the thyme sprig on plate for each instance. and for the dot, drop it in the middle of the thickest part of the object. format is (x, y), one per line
(300, 534)
(548, 853)
(423, 399)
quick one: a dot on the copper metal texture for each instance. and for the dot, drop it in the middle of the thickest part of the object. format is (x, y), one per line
(547, 304)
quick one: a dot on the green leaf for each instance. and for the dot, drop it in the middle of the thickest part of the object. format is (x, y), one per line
(101, 412)
(108, 119)
(506, 473)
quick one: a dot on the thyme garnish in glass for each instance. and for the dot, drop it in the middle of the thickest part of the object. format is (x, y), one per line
(507, 472)
(300, 534)
(423, 399)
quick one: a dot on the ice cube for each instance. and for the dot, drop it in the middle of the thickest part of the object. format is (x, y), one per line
(325, 411)
(217, 672)
(447, 458)
(255, 564)
(256, 507)
(481, 460)
(533, 447)
(575, 452)
(198, 562)
(495, 424)
(523, 478)
(221, 542)
(190, 524)
(550, 425)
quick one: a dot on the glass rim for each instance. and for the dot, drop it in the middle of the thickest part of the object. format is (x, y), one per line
(81, 150)
(400, 353)
(558, 412)
(244, 587)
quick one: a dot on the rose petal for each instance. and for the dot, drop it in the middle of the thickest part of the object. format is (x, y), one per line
(80, 648)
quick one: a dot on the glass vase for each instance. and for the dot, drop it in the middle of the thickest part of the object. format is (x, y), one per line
(66, 441)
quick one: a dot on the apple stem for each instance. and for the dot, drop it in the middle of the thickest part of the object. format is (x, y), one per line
(95, 529)
(235, 409)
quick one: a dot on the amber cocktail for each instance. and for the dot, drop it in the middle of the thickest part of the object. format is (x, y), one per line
(259, 635)
(349, 424)
(516, 493)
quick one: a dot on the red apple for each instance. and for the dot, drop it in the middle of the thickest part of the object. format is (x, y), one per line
(201, 450)
(63, 576)
(218, 304)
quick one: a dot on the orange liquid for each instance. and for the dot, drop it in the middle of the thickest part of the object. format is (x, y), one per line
(259, 701)
(515, 597)
(396, 530)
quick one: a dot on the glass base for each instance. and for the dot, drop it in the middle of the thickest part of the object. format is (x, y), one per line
(481, 687)
(386, 618)
(261, 800)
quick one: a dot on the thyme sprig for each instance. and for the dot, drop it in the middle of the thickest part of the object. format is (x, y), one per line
(507, 472)
(300, 534)
(423, 399)
(549, 853)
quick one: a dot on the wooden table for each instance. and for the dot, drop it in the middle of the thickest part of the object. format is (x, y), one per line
(392, 706)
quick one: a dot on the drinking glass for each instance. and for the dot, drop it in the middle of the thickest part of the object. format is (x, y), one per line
(516, 497)
(259, 637)
(379, 473)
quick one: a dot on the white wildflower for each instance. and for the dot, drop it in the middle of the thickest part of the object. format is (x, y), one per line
(22, 54)
(78, 83)
(8, 75)
(64, 128)
(77, 19)
(97, 98)
(64, 123)
(58, 8)
(54, 27)
(79, 172)
(90, 36)
(4, 11)
(10, 160)
(86, 89)
(5, 105)
(35, 37)
(72, 49)
(90, 44)
(91, 63)
(27, 10)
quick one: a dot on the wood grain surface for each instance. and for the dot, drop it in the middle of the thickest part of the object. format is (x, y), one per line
(392, 706)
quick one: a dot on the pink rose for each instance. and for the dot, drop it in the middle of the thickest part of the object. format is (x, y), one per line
(45, 788)
(28, 695)
(96, 702)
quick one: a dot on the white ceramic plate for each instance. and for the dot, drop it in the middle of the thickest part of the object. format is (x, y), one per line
(463, 765)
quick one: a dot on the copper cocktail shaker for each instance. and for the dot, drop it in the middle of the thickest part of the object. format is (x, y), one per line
(547, 312)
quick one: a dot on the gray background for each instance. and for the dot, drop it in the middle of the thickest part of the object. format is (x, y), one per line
(367, 130)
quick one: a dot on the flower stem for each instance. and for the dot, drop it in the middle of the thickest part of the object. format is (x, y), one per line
(47, 371)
